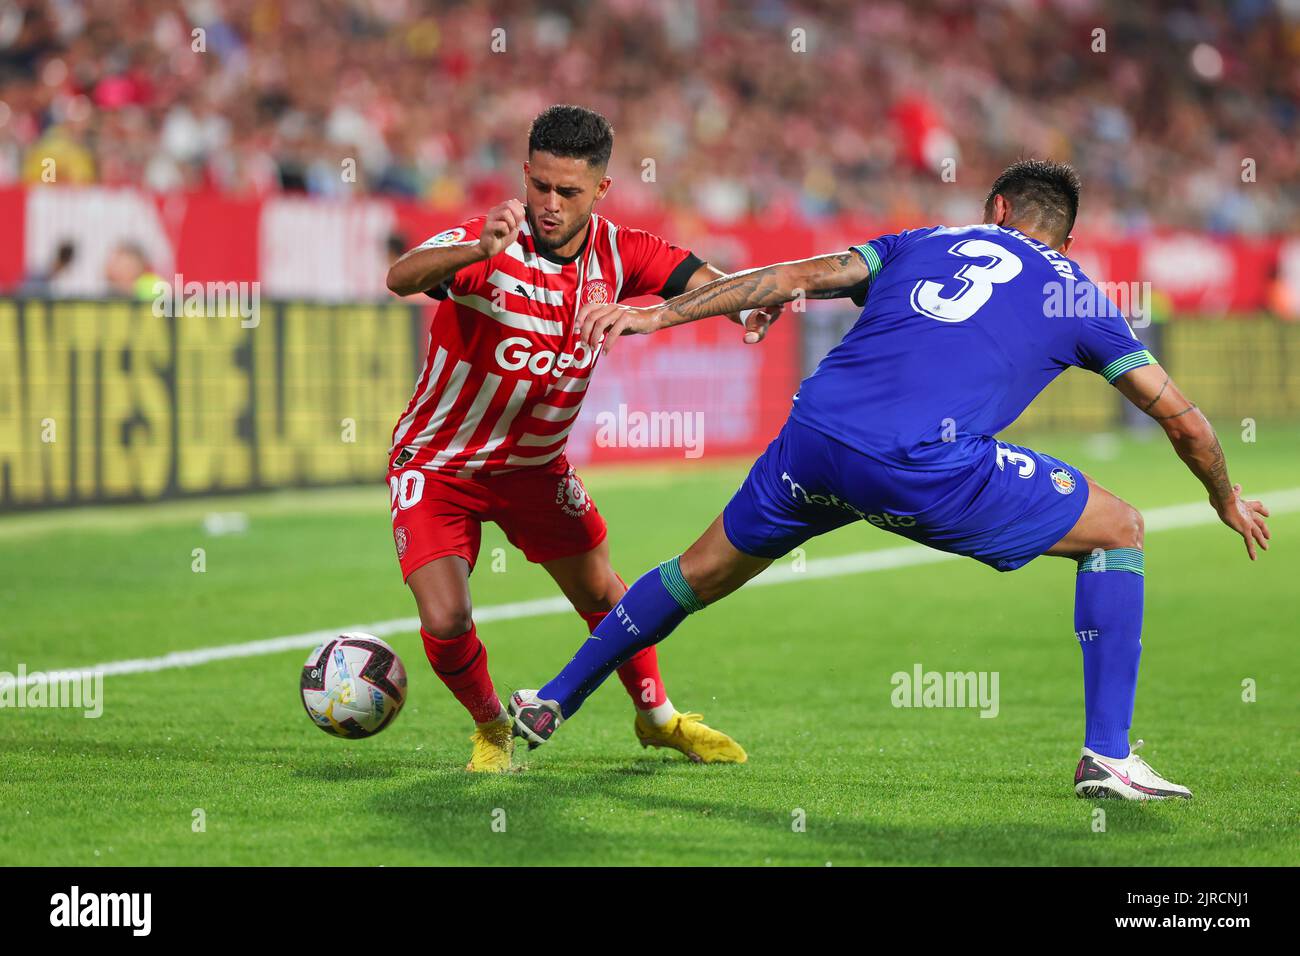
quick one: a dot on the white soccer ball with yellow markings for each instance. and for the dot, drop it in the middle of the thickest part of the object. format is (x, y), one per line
(353, 685)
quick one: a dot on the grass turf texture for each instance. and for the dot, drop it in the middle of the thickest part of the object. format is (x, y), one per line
(799, 673)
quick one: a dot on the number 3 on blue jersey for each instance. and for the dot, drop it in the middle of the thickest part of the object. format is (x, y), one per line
(977, 281)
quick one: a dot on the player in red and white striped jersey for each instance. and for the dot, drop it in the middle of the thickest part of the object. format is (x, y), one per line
(483, 436)
(505, 373)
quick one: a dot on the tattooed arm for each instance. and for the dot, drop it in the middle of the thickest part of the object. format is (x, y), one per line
(822, 277)
(755, 322)
(1189, 431)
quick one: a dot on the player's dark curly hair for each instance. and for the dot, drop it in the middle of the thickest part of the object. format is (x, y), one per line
(572, 131)
(1041, 192)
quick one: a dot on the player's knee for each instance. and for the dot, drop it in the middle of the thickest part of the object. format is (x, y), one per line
(446, 619)
(704, 586)
(597, 593)
(594, 604)
(1129, 530)
(714, 568)
(1137, 527)
(710, 579)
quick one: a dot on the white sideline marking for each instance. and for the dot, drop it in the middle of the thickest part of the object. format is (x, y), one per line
(1166, 518)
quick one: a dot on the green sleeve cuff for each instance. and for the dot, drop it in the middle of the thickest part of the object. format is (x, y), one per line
(1126, 363)
(869, 256)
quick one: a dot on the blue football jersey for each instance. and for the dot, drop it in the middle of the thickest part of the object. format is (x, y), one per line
(961, 329)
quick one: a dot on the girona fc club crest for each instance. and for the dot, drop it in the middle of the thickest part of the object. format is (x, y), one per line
(402, 539)
(596, 291)
(571, 495)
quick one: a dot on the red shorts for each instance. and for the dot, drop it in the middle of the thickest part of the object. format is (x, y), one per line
(545, 512)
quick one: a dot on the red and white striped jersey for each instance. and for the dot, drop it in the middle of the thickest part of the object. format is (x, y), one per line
(505, 374)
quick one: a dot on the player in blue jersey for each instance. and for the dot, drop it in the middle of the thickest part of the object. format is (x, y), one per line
(962, 328)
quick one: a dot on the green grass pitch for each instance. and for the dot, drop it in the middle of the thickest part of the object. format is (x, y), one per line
(799, 673)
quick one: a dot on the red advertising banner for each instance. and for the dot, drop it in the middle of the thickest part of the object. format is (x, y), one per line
(303, 248)
(679, 395)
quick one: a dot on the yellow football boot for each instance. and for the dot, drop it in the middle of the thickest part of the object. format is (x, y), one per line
(689, 734)
(493, 745)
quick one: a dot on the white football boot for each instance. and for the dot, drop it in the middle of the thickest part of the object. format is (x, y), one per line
(533, 718)
(1132, 778)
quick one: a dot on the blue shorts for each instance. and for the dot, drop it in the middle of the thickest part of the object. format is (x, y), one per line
(1005, 509)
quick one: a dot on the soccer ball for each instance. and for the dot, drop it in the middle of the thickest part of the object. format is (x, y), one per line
(353, 685)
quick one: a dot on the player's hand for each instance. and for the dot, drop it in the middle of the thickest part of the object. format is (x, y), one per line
(607, 321)
(502, 226)
(756, 322)
(1247, 519)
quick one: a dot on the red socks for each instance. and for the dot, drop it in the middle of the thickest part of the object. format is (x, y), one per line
(640, 674)
(461, 663)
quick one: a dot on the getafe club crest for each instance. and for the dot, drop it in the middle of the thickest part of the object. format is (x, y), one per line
(571, 495)
(597, 291)
(1063, 481)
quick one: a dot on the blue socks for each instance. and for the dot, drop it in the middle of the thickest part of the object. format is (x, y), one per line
(1108, 625)
(651, 608)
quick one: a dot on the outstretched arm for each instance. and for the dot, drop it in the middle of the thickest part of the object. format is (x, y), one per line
(1151, 389)
(755, 322)
(822, 277)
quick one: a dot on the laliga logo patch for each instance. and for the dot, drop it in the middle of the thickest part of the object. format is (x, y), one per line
(1063, 481)
(402, 538)
(447, 237)
(572, 496)
(597, 291)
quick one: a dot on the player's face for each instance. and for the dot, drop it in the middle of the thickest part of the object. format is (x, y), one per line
(560, 193)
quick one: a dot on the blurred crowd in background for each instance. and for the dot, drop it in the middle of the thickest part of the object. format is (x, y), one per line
(1177, 113)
